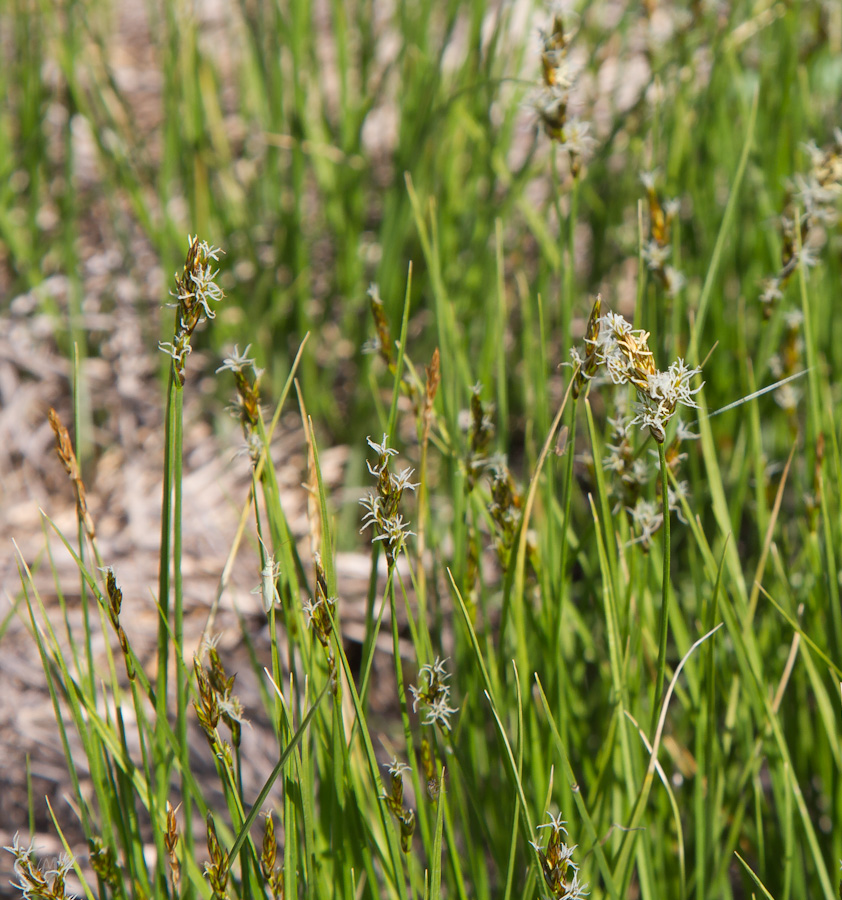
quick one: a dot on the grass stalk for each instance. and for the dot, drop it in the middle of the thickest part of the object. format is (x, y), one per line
(329, 151)
(663, 627)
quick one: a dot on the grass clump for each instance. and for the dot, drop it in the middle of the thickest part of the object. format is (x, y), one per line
(595, 660)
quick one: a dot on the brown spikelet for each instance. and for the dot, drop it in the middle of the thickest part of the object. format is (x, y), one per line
(589, 365)
(427, 762)
(195, 292)
(385, 344)
(433, 382)
(171, 842)
(206, 705)
(104, 863)
(249, 394)
(272, 873)
(480, 435)
(64, 449)
(115, 604)
(659, 220)
(554, 44)
(219, 867)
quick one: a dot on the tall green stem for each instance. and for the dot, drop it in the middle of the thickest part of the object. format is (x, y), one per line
(169, 576)
(178, 614)
(568, 489)
(162, 770)
(567, 312)
(570, 269)
(662, 642)
(164, 557)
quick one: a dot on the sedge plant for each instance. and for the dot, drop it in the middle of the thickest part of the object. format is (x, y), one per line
(568, 680)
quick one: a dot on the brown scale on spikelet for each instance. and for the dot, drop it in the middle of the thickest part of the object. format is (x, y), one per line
(811, 205)
(551, 100)
(620, 351)
(433, 693)
(505, 508)
(247, 407)
(382, 508)
(218, 868)
(382, 343)
(35, 880)
(115, 604)
(321, 610)
(588, 365)
(104, 863)
(433, 381)
(480, 435)
(560, 872)
(217, 701)
(196, 292)
(657, 249)
(394, 800)
(273, 874)
(65, 452)
(171, 842)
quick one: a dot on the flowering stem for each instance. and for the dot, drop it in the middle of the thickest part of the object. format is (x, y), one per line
(170, 563)
(662, 642)
(570, 270)
(162, 764)
(178, 606)
(404, 707)
(568, 484)
(164, 562)
(566, 307)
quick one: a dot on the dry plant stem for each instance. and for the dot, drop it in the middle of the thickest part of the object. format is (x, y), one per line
(85, 526)
(662, 641)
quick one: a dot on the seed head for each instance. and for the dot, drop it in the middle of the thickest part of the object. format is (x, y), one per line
(625, 353)
(560, 871)
(551, 98)
(196, 293)
(382, 507)
(434, 695)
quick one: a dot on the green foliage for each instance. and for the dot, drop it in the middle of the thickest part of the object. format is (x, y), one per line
(672, 693)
